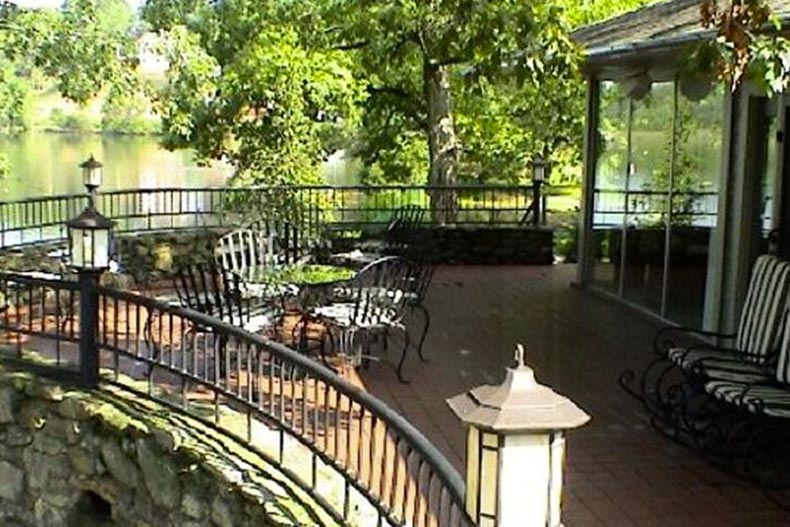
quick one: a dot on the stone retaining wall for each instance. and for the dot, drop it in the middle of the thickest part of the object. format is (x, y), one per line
(488, 245)
(149, 257)
(76, 458)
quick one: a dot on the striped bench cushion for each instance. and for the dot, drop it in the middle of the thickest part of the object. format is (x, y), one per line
(783, 358)
(770, 400)
(721, 364)
(760, 327)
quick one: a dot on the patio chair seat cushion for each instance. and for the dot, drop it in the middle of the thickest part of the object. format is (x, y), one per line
(258, 290)
(261, 320)
(768, 399)
(735, 371)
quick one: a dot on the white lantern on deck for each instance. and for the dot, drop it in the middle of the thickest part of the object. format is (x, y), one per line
(515, 449)
(90, 236)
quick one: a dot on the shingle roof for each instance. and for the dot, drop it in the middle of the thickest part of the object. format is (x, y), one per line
(653, 24)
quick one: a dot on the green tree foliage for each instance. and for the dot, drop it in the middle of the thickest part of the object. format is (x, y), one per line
(246, 90)
(436, 52)
(512, 85)
(744, 48)
(583, 12)
(13, 96)
(87, 47)
(92, 46)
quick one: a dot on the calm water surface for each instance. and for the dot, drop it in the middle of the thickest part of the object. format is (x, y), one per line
(48, 164)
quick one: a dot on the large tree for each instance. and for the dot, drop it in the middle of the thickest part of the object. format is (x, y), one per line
(414, 52)
(453, 89)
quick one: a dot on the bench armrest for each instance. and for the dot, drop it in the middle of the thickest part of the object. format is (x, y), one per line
(663, 340)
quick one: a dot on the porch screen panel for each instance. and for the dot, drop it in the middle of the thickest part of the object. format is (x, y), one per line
(610, 185)
(648, 201)
(694, 198)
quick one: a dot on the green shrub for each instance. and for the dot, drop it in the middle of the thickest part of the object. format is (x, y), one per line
(566, 236)
(71, 122)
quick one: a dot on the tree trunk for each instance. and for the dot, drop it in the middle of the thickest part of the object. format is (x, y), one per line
(442, 142)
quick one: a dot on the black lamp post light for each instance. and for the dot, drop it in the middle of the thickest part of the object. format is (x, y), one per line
(538, 178)
(92, 176)
(90, 242)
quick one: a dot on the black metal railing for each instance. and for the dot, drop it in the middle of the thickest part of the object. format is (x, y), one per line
(314, 208)
(305, 417)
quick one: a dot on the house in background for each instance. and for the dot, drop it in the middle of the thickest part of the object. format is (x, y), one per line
(685, 181)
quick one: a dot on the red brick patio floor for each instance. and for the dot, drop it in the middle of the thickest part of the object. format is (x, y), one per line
(620, 471)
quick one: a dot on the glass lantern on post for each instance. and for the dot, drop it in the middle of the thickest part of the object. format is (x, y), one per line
(92, 176)
(90, 238)
(515, 449)
(90, 241)
(538, 178)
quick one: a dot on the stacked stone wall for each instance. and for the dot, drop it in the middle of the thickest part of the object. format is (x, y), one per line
(77, 458)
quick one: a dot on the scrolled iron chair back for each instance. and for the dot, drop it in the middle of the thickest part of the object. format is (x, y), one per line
(380, 290)
(211, 289)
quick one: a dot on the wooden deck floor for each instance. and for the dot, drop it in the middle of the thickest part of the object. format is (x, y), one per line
(620, 471)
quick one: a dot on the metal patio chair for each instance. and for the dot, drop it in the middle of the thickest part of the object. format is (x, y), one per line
(374, 302)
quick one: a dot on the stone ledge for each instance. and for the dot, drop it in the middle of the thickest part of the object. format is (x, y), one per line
(151, 465)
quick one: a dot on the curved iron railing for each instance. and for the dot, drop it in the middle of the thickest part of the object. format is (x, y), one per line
(33, 220)
(348, 447)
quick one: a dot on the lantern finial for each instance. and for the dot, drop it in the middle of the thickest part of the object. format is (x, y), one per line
(520, 355)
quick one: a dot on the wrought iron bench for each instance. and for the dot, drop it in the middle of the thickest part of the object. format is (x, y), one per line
(750, 349)
(708, 395)
(743, 418)
(399, 239)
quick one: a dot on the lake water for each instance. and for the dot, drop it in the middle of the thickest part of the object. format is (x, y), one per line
(45, 163)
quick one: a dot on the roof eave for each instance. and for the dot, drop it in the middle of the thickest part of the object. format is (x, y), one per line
(604, 54)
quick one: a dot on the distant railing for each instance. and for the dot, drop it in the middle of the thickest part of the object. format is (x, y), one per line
(317, 425)
(618, 207)
(315, 208)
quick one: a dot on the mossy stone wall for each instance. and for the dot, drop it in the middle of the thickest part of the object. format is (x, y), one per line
(80, 458)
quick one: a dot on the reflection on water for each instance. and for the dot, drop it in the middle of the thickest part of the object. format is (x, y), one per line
(44, 163)
(48, 163)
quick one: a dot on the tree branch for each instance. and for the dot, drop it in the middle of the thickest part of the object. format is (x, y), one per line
(391, 90)
(449, 61)
(351, 46)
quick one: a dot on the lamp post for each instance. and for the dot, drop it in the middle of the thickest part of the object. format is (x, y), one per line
(515, 449)
(538, 177)
(91, 176)
(90, 236)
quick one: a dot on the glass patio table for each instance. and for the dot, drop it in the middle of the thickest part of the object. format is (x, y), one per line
(308, 283)
(298, 287)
